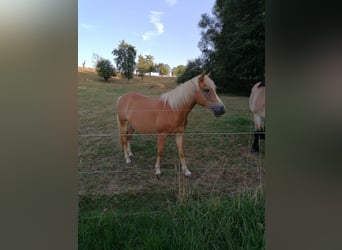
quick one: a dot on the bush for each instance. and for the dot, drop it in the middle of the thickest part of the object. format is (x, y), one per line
(105, 69)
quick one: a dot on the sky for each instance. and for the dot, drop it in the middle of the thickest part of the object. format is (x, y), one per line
(166, 29)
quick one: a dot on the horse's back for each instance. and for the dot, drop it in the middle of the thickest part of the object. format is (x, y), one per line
(136, 102)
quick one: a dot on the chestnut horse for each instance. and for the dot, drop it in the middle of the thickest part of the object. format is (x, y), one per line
(165, 115)
(257, 106)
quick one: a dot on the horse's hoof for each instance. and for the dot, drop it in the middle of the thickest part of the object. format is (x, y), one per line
(158, 172)
(128, 161)
(187, 173)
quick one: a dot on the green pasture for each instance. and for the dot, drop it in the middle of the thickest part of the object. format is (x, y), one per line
(127, 207)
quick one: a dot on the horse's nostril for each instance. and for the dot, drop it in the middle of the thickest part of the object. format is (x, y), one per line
(218, 110)
(223, 110)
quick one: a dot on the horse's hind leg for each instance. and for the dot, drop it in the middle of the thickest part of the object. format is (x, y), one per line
(123, 128)
(130, 131)
(258, 129)
(255, 146)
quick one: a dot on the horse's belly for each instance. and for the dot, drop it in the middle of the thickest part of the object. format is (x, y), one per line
(143, 129)
(154, 123)
(144, 124)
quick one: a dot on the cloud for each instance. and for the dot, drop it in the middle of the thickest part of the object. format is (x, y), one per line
(155, 20)
(171, 2)
(87, 26)
(148, 35)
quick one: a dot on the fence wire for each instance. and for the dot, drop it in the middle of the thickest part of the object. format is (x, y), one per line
(103, 170)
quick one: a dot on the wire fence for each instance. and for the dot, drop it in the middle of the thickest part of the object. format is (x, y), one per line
(215, 177)
(105, 173)
(217, 153)
(185, 134)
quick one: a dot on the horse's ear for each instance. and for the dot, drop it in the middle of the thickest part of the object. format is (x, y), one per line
(202, 76)
(208, 74)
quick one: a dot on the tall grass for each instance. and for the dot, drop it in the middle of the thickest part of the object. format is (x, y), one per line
(235, 222)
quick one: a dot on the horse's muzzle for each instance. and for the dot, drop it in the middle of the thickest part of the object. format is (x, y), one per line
(218, 110)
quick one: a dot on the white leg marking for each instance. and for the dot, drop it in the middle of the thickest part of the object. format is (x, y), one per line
(129, 149)
(126, 155)
(157, 167)
(187, 173)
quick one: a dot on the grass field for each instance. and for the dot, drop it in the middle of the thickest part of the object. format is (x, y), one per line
(126, 207)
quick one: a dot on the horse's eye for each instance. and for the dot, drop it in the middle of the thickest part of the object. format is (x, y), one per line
(207, 91)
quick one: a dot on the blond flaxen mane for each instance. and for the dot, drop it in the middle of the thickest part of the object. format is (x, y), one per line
(183, 93)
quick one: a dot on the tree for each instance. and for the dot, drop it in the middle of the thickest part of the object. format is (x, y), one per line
(192, 69)
(164, 69)
(145, 65)
(179, 70)
(233, 43)
(95, 59)
(104, 68)
(150, 63)
(155, 68)
(125, 59)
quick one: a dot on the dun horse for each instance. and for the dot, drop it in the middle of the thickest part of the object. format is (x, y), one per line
(257, 106)
(165, 115)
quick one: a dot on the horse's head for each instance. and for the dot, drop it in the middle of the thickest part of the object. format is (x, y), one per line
(207, 97)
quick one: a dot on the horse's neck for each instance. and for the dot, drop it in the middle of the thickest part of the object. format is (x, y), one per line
(186, 108)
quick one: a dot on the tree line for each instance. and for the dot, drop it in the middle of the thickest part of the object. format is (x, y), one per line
(232, 48)
(124, 57)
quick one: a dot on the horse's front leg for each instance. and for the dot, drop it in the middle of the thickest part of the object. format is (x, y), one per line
(161, 144)
(179, 142)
